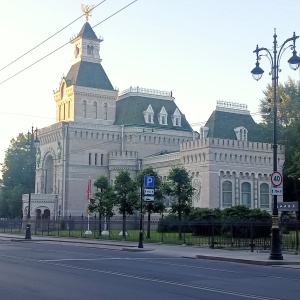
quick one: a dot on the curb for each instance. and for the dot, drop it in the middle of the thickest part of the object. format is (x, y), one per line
(247, 261)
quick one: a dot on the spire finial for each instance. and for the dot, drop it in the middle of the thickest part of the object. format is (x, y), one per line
(87, 10)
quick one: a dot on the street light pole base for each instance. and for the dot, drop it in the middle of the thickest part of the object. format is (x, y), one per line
(28, 232)
(275, 253)
(140, 245)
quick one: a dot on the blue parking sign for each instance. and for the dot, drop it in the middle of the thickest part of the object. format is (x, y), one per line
(149, 181)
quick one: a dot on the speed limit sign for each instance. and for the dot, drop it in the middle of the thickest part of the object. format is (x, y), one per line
(276, 178)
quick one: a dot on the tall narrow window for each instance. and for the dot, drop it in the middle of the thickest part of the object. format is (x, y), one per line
(101, 160)
(227, 194)
(264, 196)
(96, 159)
(59, 113)
(69, 109)
(90, 158)
(105, 111)
(95, 110)
(84, 108)
(246, 194)
(64, 111)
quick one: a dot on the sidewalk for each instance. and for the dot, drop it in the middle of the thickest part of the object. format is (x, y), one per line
(239, 256)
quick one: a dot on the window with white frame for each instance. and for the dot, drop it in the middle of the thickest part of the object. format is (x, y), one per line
(246, 194)
(227, 193)
(149, 115)
(264, 195)
(163, 117)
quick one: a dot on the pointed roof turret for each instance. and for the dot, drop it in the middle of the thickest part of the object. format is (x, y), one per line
(87, 32)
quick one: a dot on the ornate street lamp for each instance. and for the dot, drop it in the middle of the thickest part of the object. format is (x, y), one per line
(31, 144)
(140, 245)
(257, 72)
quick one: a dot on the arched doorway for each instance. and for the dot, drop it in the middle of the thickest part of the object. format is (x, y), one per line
(46, 214)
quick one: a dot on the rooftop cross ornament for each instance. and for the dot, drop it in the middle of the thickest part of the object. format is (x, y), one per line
(87, 10)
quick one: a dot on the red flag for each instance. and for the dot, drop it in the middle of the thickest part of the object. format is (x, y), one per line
(89, 190)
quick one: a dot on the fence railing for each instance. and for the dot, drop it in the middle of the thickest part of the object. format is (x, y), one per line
(213, 234)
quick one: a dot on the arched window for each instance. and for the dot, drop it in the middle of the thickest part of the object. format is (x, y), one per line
(105, 111)
(264, 196)
(95, 110)
(96, 159)
(84, 108)
(90, 50)
(227, 194)
(246, 194)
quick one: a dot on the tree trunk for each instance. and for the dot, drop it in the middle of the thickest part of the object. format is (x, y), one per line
(124, 226)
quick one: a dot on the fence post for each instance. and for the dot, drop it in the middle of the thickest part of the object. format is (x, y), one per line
(70, 225)
(48, 225)
(212, 246)
(184, 230)
(251, 237)
(81, 225)
(297, 236)
(162, 232)
(95, 219)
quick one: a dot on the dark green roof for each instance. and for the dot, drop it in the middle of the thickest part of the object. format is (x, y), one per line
(221, 125)
(129, 111)
(87, 32)
(88, 74)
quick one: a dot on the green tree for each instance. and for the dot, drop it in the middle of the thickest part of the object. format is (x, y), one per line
(156, 206)
(288, 128)
(15, 170)
(103, 200)
(288, 96)
(179, 188)
(126, 195)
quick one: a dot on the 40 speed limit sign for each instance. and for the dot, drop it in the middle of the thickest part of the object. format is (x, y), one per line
(276, 178)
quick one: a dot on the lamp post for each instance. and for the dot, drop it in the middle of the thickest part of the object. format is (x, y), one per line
(257, 72)
(140, 245)
(31, 144)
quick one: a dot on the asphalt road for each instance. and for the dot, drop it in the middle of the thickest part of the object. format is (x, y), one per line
(50, 270)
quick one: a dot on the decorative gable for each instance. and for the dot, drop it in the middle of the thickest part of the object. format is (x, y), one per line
(241, 133)
(149, 114)
(163, 116)
(176, 118)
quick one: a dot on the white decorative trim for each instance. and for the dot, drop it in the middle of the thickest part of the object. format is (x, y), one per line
(232, 107)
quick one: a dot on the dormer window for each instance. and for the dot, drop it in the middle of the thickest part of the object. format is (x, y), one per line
(176, 118)
(149, 115)
(203, 132)
(241, 133)
(163, 117)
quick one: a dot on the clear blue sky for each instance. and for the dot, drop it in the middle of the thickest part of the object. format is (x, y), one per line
(201, 50)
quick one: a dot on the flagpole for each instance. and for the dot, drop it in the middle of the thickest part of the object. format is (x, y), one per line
(88, 231)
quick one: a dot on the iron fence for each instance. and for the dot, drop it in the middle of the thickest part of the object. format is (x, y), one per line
(214, 234)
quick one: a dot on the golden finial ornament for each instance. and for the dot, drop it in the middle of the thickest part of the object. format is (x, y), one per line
(87, 10)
